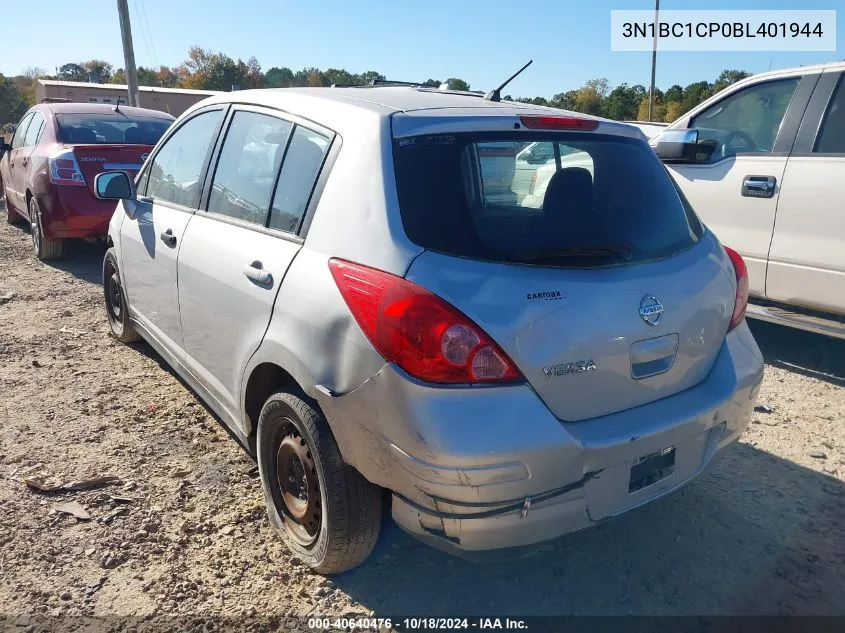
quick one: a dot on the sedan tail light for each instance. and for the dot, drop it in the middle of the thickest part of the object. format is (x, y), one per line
(741, 300)
(414, 328)
(64, 170)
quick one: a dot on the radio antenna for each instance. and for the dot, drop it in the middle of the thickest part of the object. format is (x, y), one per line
(496, 95)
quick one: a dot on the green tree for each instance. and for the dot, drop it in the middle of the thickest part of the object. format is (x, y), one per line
(12, 102)
(695, 93)
(728, 77)
(675, 93)
(622, 102)
(97, 70)
(457, 84)
(72, 72)
(278, 77)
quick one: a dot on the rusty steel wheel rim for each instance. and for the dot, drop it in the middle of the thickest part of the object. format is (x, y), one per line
(299, 489)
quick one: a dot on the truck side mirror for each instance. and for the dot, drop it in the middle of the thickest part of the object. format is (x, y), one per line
(676, 145)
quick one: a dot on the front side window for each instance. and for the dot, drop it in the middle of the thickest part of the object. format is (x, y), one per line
(302, 164)
(34, 129)
(20, 132)
(176, 171)
(249, 161)
(747, 121)
(831, 136)
(567, 199)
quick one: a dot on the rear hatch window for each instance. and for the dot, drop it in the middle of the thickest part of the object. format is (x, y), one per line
(110, 128)
(575, 199)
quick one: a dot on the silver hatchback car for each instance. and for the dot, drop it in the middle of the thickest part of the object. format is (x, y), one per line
(351, 281)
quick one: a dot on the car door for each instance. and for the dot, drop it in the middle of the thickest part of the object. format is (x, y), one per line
(13, 176)
(23, 168)
(169, 190)
(734, 182)
(807, 258)
(237, 250)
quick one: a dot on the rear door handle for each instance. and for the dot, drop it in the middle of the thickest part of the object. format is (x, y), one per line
(168, 238)
(759, 186)
(256, 272)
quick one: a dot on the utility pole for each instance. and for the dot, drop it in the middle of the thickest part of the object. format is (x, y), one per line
(653, 63)
(128, 52)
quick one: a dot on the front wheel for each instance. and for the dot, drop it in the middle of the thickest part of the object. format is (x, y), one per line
(44, 249)
(328, 514)
(116, 307)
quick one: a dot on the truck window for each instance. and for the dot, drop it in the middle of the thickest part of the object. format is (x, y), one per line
(747, 121)
(831, 136)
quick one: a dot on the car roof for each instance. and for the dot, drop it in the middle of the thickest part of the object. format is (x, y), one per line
(331, 106)
(102, 108)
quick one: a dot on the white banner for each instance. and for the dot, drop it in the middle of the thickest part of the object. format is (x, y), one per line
(683, 30)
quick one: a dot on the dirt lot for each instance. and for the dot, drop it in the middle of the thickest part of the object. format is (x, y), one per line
(762, 533)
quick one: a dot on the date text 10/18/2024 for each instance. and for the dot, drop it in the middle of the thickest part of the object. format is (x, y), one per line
(416, 623)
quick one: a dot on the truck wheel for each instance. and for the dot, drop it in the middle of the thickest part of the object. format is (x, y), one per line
(117, 308)
(44, 249)
(328, 514)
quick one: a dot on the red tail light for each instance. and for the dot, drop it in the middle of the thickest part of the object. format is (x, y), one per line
(64, 170)
(741, 301)
(552, 122)
(419, 331)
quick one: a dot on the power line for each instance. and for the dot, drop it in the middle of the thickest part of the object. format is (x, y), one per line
(146, 24)
(141, 31)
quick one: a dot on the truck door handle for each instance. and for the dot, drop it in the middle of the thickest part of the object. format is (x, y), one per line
(759, 186)
(256, 272)
(168, 238)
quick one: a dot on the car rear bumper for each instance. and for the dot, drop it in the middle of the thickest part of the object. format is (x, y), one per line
(491, 468)
(73, 212)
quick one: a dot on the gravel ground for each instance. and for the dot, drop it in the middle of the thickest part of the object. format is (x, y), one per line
(184, 532)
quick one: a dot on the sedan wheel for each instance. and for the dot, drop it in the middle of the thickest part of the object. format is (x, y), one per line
(116, 306)
(44, 249)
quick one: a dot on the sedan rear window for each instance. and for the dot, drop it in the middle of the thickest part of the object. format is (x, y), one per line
(111, 128)
(573, 199)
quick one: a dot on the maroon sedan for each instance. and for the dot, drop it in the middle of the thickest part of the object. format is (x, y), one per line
(47, 172)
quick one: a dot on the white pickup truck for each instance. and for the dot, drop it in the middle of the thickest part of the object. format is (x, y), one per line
(763, 165)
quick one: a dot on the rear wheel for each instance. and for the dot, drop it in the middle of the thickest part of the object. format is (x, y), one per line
(44, 249)
(116, 307)
(328, 514)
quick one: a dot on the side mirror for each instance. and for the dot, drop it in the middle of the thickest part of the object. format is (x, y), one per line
(4, 147)
(114, 185)
(676, 145)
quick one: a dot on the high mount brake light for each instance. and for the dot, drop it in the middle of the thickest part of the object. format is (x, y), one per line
(552, 122)
(422, 333)
(741, 299)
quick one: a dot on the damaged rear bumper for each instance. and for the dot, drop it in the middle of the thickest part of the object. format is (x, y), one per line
(475, 469)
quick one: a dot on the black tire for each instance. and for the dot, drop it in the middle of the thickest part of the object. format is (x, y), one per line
(349, 508)
(12, 216)
(117, 307)
(44, 249)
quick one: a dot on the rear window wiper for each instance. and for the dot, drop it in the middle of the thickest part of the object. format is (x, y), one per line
(623, 251)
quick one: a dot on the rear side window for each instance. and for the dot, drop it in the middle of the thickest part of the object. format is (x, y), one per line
(176, 169)
(114, 128)
(831, 137)
(300, 169)
(576, 199)
(33, 132)
(20, 132)
(249, 161)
